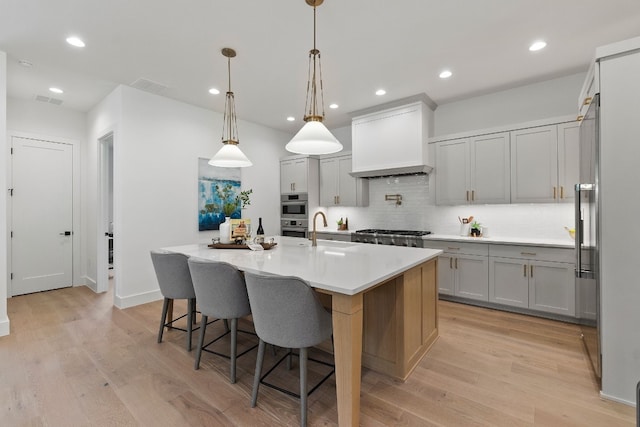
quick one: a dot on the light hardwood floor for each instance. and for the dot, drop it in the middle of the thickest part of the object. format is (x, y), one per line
(72, 359)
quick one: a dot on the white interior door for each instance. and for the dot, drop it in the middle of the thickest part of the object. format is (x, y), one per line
(42, 215)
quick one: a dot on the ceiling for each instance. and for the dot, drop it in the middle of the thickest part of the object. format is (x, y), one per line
(400, 46)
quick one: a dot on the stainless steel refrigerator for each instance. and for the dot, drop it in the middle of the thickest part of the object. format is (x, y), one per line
(587, 236)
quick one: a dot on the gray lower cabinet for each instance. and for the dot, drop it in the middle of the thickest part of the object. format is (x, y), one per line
(530, 277)
(463, 269)
(538, 278)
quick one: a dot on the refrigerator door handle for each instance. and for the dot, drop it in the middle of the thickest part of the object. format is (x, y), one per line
(578, 235)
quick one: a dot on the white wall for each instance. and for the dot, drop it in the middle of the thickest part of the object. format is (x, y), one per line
(4, 320)
(37, 119)
(343, 134)
(156, 149)
(551, 98)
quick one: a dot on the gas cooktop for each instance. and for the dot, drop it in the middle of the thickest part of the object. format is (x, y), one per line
(394, 232)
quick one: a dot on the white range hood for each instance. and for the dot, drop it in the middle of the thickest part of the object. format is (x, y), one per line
(391, 139)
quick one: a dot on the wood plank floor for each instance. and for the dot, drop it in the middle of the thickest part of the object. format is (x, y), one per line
(72, 359)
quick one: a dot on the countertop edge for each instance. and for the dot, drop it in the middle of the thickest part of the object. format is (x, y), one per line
(550, 243)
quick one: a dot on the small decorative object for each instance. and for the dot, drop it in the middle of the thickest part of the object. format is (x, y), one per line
(225, 231)
(341, 224)
(259, 232)
(476, 229)
(240, 229)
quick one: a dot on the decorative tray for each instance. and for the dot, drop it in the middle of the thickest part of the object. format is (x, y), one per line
(266, 246)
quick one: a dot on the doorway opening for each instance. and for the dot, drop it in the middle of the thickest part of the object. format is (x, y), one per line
(106, 233)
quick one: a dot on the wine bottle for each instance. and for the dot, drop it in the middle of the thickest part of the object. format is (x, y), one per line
(260, 232)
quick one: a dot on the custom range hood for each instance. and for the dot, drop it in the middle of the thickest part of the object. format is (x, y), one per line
(391, 139)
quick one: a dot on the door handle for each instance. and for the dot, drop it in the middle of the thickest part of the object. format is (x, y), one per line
(66, 233)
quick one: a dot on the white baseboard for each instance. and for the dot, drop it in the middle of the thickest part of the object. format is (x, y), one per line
(4, 327)
(133, 300)
(91, 284)
(617, 399)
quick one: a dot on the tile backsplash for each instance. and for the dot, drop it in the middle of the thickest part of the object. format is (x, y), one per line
(418, 212)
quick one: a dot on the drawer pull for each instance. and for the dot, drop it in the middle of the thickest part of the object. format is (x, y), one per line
(528, 253)
(561, 192)
(554, 193)
(524, 270)
(450, 263)
(456, 263)
(579, 118)
(587, 101)
(473, 195)
(531, 271)
(451, 248)
(467, 195)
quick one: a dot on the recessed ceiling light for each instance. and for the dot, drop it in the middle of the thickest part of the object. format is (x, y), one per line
(214, 91)
(290, 118)
(381, 92)
(445, 74)
(55, 90)
(75, 41)
(537, 45)
(333, 106)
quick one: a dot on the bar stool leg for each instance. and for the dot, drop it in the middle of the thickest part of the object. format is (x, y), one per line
(234, 349)
(303, 386)
(163, 319)
(258, 373)
(203, 329)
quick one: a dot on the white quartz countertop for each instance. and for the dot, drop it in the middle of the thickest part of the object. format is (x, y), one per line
(342, 267)
(526, 241)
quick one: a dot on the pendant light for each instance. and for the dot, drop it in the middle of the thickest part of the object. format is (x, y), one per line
(314, 138)
(230, 155)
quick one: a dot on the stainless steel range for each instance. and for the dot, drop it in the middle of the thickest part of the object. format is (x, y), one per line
(410, 238)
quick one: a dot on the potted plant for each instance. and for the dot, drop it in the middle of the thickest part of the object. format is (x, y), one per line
(476, 229)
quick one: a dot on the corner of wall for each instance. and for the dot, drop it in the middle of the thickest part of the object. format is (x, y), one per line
(4, 243)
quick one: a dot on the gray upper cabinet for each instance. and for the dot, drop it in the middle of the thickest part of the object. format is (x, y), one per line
(338, 187)
(473, 170)
(297, 174)
(544, 163)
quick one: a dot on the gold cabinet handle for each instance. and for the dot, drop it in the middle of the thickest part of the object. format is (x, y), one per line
(524, 270)
(587, 100)
(338, 198)
(531, 271)
(473, 195)
(554, 193)
(562, 192)
(528, 253)
(451, 248)
(456, 263)
(467, 195)
(450, 263)
(579, 118)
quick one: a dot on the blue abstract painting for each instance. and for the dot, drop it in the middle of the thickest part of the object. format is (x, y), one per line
(210, 214)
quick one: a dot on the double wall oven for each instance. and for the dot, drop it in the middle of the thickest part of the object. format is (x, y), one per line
(294, 215)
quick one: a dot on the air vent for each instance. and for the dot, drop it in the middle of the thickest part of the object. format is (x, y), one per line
(149, 86)
(54, 101)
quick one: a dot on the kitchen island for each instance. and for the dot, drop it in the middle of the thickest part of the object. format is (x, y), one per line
(383, 301)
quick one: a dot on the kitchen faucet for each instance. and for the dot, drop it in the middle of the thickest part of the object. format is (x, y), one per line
(313, 233)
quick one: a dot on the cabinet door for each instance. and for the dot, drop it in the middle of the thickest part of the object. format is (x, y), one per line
(472, 277)
(568, 160)
(328, 182)
(509, 281)
(552, 287)
(490, 169)
(446, 275)
(452, 172)
(534, 165)
(347, 185)
(293, 176)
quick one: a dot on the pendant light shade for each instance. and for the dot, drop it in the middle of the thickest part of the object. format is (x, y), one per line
(230, 155)
(314, 138)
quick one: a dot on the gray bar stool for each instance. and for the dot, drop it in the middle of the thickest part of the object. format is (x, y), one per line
(221, 293)
(174, 279)
(287, 313)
